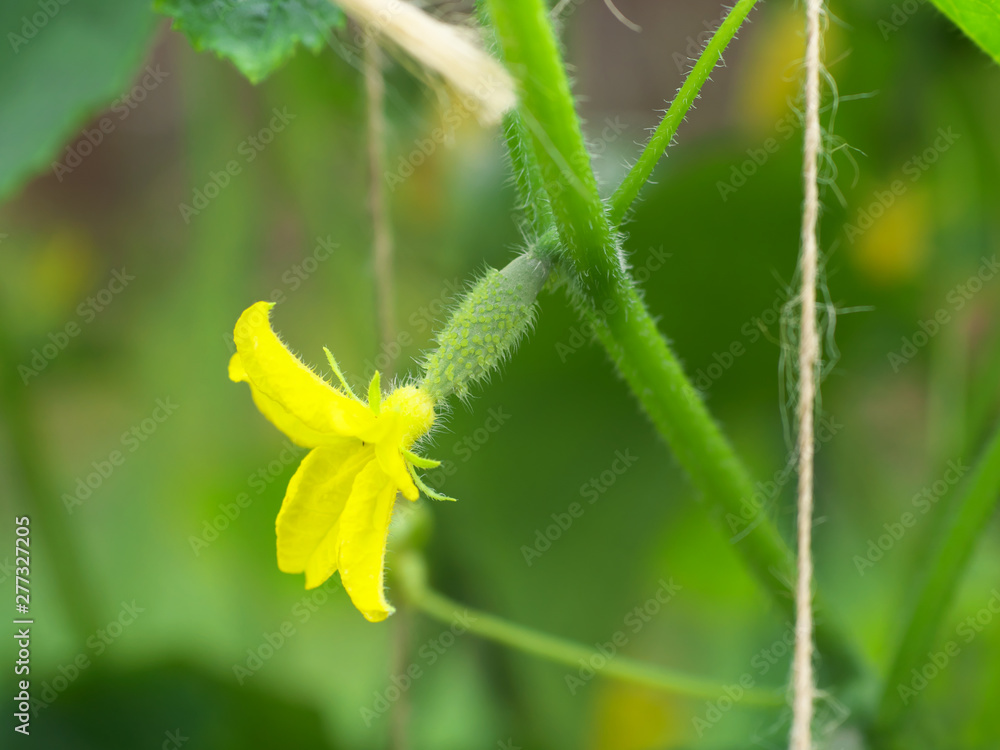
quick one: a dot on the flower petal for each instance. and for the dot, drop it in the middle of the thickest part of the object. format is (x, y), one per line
(316, 497)
(364, 526)
(323, 562)
(392, 463)
(279, 416)
(299, 403)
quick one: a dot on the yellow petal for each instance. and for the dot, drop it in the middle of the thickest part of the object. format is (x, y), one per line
(323, 562)
(293, 397)
(391, 462)
(314, 501)
(236, 372)
(293, 427)
(364, 526)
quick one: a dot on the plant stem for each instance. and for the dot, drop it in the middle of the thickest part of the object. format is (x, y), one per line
(412, 578)
(952, 551)
(532, 54)
(606, 296)
(629, 188)
(527, 175)
(656, 378)
(382, 250)
(382, 263)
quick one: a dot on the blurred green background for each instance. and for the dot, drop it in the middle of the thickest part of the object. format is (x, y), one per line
(163, 577)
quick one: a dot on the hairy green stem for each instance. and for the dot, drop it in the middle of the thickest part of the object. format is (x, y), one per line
(950, 554)
(531, 53)
(411, 576)
(628, 333)
(629, 188)
(604, 293)
(527, 175)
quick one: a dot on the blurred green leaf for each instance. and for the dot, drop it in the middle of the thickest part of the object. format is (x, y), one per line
(60, 64)
(979, 19)
(258, 36)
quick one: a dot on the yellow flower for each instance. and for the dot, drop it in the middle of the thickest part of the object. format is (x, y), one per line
(336, 512)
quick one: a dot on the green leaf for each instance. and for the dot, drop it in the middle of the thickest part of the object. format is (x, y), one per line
(256, 35)
(979, 19)
(946, 560)
(60, 63)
